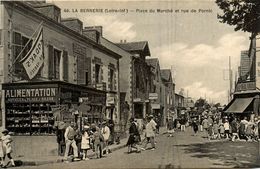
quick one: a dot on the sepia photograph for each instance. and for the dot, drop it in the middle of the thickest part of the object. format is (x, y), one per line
(129, 84)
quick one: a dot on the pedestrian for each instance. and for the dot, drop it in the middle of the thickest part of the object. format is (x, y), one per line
(134, 137)
(157, 125)
(242, 130)
(106, 134)
(112, 136)
(182, 123)
(170, 127)
(249, 131)
(234, 129)
(195, 126)
(98, 140)
(69, 136)
(85, 142)
(205, 125)
(227, 128)
(150, 130)
(7, 148)
(222, 130)
(215, 130)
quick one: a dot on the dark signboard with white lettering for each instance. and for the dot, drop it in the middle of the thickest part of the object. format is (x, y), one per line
(31, 95)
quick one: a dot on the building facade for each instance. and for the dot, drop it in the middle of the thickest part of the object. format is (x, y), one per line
(134, 79)
(76, 70)
(169, 96)
(246, 100)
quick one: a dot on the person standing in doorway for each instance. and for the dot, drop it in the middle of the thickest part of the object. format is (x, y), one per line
(69, 136)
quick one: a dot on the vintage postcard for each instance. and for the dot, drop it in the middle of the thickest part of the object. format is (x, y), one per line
(129, 84)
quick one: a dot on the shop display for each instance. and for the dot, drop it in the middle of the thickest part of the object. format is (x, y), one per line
(29, 119)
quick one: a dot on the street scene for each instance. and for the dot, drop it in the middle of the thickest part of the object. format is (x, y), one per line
(129, 84)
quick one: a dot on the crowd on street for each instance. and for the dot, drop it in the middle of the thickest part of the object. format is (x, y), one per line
(217, 127)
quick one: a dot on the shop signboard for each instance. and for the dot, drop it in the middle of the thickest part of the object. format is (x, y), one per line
(153, 96)
(26, 95)
(245, 86)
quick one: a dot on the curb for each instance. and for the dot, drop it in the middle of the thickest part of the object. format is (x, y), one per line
(37, 163)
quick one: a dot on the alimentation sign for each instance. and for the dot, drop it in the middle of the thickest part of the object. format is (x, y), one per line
(31, 95)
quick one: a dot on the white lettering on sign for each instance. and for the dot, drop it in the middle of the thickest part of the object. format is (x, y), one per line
(43, 92)
(34, 58)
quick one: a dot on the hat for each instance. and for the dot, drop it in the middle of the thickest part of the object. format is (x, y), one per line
(151, 115)
(5, 131)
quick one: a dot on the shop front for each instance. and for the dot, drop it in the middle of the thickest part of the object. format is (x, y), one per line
(243, 105)
(33, 110)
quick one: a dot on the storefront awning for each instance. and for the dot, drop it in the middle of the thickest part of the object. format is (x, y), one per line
(239, 105)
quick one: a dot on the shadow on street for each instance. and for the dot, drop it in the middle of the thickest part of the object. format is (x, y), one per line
(238, 154)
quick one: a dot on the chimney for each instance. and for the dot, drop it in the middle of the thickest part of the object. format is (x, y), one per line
(124, 41)
(73, 23)
(93, 32)
(49, 10)
(121, 41)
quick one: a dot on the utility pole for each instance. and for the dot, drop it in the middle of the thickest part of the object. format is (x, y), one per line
(230, 79)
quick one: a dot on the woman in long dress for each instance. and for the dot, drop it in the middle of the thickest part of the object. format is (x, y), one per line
(134, 137)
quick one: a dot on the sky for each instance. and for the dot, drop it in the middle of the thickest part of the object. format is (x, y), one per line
(195, 45)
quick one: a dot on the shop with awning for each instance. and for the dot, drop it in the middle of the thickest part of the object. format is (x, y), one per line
(239, 105)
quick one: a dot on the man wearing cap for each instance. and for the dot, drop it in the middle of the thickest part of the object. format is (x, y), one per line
(69, 136)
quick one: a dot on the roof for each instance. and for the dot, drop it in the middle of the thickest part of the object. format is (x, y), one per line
(166, 74)
(152, 62)
(135, 46)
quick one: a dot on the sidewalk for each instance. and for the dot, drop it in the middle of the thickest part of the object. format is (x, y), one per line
(35, 161)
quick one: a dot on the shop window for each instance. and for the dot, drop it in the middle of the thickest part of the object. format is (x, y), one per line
(97, 73)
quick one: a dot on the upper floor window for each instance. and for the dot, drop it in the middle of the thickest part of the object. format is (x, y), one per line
(111, 79)
(20, 43)
(97, 73)
(56, 63)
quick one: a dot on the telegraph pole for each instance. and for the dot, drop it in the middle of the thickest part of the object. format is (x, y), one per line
(230, 79)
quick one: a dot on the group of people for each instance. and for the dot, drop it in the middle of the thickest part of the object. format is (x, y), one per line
(135, 142)
(93, 137)
(230, 128)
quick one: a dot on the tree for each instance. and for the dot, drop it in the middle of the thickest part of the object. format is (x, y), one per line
(243, 14)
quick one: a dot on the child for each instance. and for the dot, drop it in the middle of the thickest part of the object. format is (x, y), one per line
(97, 138)
(222, 130)
(215, 130)
(6, 139)
(85, 146)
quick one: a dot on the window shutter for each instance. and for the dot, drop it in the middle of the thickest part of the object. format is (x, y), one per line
(101, 74)
(51, 62)
(108, 80)
(115, 82)
(65, 66)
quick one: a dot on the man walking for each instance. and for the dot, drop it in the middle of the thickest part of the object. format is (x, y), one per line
(69, 136)
(150, 133)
